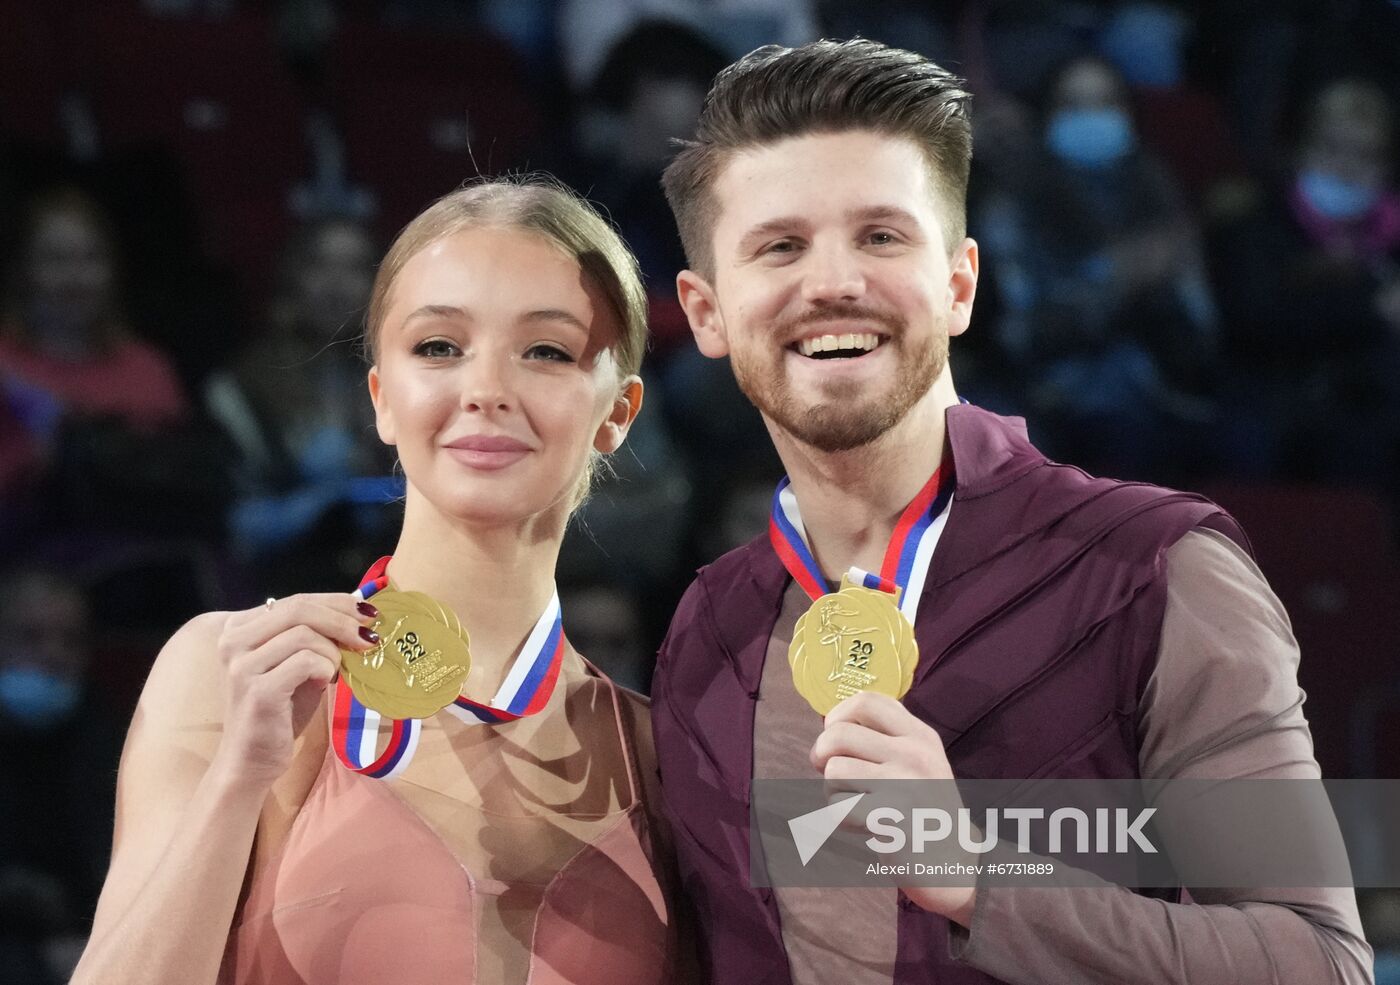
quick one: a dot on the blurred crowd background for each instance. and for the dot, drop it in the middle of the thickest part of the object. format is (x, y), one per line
(1190, 225)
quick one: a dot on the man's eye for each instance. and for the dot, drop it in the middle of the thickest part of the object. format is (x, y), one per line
(550, 353)
(435, 349)
(882, 239)
(781, 246)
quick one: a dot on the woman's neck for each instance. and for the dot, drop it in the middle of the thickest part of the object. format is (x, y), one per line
(851, 500)
(497, 579)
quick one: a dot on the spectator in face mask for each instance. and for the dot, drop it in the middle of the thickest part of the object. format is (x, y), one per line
(1310, 284)
(1150, 42)
(1342, 184)
(1103, 300)
(61, 757)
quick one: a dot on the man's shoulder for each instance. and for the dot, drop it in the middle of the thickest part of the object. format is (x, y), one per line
(744, 584)
(748, 569)
(1097, 506)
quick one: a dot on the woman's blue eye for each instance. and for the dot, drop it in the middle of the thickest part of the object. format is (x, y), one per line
(435, 349)
(550, 353)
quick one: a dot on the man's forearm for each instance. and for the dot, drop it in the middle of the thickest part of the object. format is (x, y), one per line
(1111, 936)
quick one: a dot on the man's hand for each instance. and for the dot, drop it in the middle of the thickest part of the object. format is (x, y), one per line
(872, 736)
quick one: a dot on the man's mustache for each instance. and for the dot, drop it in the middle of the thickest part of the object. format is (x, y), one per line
(841, 313)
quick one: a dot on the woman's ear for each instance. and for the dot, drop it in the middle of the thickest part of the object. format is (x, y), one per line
(613, 431)
(383, 417)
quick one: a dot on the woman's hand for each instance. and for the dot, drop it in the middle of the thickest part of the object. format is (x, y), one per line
(277, 660)
(207, 756)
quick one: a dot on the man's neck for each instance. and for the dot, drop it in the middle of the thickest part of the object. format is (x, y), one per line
(851, 500)
(496, 579)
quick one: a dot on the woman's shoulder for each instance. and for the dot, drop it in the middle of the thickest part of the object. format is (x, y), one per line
(636, 719)
(182, 707)
(191, 651)
(183, 698)
(633, 707)
(638, 704)
(190, 655)
(585, 674)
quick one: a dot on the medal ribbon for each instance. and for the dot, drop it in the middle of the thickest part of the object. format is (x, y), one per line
(526, 690)
(907, 557)
(532, 677)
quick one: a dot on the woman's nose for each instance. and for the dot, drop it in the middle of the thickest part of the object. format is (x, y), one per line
(485, 389)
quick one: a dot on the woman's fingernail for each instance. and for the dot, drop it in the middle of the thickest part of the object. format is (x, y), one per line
(368, 635)
(367, 610)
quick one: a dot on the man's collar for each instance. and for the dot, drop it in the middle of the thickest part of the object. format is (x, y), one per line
(989, 451)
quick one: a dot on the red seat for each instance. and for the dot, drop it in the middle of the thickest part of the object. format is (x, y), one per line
(31, 73)
(1328, 555)
(1191, 132)
(1318, 527)
(217, 93)
(422, 113)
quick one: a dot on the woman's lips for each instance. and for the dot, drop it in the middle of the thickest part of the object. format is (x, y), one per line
(487, 452)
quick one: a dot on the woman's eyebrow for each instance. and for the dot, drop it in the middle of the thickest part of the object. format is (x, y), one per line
(554, 314)
(437, 311)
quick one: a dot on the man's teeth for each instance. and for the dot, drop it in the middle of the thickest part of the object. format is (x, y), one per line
(863, 342)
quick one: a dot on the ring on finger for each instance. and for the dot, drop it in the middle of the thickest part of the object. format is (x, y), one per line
(268, 604)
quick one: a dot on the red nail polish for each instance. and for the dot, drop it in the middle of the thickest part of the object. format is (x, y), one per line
(366, 609)
(369, 635)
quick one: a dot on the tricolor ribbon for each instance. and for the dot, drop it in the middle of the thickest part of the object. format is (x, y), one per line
(907, 558)
(532, 677)
(355, 729)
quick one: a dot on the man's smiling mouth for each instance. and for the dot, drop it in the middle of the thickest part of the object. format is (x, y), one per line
(838, 346)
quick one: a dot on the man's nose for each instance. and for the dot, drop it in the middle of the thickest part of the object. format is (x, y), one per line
(833, 273)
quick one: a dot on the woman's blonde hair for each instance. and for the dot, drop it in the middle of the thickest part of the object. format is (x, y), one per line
(538, 204)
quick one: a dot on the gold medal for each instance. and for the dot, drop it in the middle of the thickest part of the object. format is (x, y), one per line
(852, 640)
(420, 662)
(385, 704)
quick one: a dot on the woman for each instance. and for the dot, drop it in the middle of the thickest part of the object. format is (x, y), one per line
(64, 343)
(505, 329)
(100, 416)
(69, 366)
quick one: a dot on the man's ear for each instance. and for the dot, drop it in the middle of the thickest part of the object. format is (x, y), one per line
(383, 417)
(613, 431)
(962, 286)
(701, 307)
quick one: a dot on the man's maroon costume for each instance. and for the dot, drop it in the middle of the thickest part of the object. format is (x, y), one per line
(1038, 629)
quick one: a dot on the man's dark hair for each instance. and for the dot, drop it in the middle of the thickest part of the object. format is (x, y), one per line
(774, 93)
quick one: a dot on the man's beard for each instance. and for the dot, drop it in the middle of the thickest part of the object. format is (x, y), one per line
(845, 418)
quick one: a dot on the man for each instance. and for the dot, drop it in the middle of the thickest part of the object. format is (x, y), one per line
(1067, 626)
